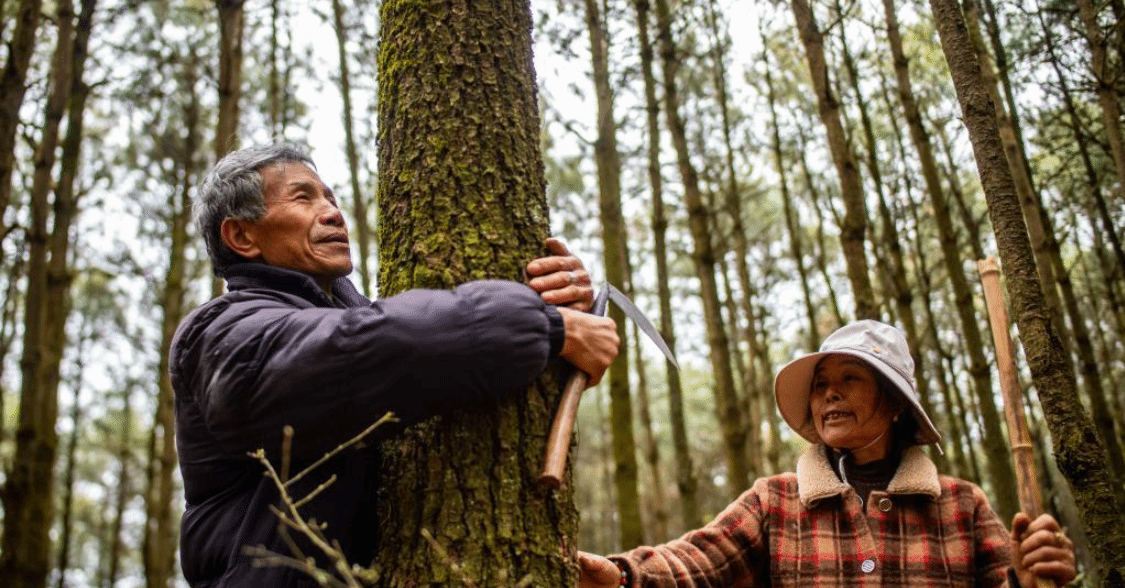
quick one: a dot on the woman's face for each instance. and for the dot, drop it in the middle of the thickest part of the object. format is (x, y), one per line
(847, 408)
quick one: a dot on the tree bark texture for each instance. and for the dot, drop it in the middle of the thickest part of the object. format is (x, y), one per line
(462, 197)
(13, 86)
(854, 226)
(1078, 449)
(727, 408)
(685, 470)
(615, 255)
(28, 495)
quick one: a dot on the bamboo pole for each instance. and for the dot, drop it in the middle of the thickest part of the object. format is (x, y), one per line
(1027, 480)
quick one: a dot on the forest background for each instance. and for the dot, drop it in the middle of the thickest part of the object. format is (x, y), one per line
(758, 172)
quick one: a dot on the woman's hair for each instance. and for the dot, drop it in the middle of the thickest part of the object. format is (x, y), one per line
(233, 189)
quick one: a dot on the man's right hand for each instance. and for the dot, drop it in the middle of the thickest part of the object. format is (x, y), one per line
(597, 572)
(591, 342)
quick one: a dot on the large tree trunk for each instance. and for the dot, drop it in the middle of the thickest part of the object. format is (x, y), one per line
(615, 256)
(461, 197)
(28, 495)
(999, 466)
(727, 407)
(854, 226)
(359, 199)
(1078, 449)
(685, 470)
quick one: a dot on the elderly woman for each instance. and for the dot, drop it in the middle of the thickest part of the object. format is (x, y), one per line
(866, 507)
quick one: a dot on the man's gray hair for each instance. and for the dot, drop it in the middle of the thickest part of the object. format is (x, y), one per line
(233, 189)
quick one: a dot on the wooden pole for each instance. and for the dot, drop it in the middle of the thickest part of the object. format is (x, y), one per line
(1027, 481)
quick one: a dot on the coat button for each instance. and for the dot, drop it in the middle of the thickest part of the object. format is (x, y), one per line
(885, 504)
(867, 566)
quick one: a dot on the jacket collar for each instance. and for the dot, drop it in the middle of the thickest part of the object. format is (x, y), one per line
(816, 481)
(243, 276)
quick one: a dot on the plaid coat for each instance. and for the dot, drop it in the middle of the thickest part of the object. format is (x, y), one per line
(809, 529)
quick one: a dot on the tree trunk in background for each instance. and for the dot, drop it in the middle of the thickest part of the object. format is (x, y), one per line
(952, 177)
(1079, 451)
(13, 86)
(703, 257)
(854, 225)
(732, 199)
(895, 270)
(1091, 374)
(792, 225)
(359, 199)
(1107, 93)
(658, 527)
(159, 544)
(67, 516)
(28, 496)
(615, 257)
(462, 197)
(999, 465)
(821, 249)
(685, 470)
(122, 495)
(1010, 134)
(274, 87)
(230, 88)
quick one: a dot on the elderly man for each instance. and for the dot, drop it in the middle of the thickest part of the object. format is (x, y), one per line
(294, 343)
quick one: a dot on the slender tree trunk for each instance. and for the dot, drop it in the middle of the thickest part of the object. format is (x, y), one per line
(1092, 375)
(792, 226)
(28, 496)
(1078, 449)
(159, 544)
(703, 256)
(359, 199)
(230, 87)
(972, 224)
(732, 199)
(822, 248)
(67, 516)
(121, 497)
(658, 529)
(13, 86)
(1010, 134)
(615, 254)
(1107, 93)
(686, 481)
(999, 465)
(854, 226)
(462, 196)
(274, 88)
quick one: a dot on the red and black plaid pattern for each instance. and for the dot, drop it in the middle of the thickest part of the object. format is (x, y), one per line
(769, 537)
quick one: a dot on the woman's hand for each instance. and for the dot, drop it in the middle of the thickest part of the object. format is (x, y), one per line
(1041, 549)
(561, 278)
(597, 572)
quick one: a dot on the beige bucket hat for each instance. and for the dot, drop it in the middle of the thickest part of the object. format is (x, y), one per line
(881, 346)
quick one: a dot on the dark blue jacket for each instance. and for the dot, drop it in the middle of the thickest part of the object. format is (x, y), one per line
(276, 351)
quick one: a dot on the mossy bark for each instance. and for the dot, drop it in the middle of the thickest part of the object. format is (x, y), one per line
(1078, 449)
(462, 197)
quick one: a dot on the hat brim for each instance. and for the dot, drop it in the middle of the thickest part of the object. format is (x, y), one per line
(794, 384)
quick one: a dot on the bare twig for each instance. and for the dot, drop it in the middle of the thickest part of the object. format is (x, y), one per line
(387, 418)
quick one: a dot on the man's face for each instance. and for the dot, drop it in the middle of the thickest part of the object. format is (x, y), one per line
(302, 228)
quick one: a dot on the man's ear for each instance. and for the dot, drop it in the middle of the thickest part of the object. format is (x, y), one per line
(235, 235)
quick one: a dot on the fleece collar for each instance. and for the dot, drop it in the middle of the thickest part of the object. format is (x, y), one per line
(816, 481)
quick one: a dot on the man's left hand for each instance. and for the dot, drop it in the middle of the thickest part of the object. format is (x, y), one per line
(561, 278)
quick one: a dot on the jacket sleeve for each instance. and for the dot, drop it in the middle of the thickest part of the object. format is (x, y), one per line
(728, 552)
(261, 364)
(993, 546)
